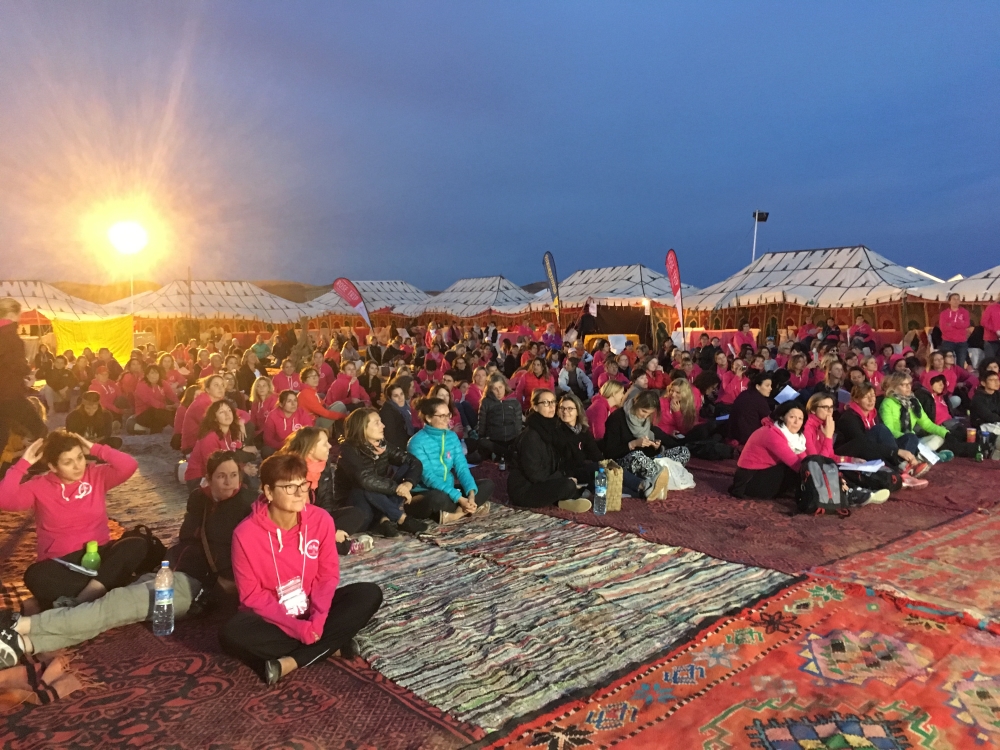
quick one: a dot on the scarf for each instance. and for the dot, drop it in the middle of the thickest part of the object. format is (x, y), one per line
(555, 433)
(906, 407)
(314, 469)
(638, 427)
(407, 415)
(867, 417)
(796, 442)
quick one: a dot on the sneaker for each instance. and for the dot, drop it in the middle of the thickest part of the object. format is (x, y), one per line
(483, 510)
(412, 526)
(580, 505)
(913, 483)
(8, 618)
(996, 454)
(360, 544)
(446, 518)
(138, 429)
(857, 496)
(878, 497)
(387, 529)
(920, 469)
(130, 425)
(10, 648)
(945, 456)
(659, 490)
(272, 672)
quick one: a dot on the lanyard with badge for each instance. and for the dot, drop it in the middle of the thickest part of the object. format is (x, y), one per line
(291, 595)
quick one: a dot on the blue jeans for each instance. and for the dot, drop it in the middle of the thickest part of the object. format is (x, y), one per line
(961, 351)
(883, 435)
(367, 503)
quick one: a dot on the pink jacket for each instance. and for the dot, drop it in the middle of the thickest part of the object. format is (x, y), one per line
(768, 447)
(108, 393)
(733, 387)
(817, 443)
(604, 378)
(343, 390)
(863, 331)
(798, 382)
(949, 376)
(527, 385)
(147, 397)
(325, 377)
(67, 516)
(742, 339)
(192, 421)
(991, 322)
(670, 421)
(260, 409)
(277, 426)
(309, 401)
(265, 557)
(284, 382)
(205, 447)
(597, 415)
(954, 325)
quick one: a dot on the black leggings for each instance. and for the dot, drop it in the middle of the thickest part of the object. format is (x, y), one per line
(543, 494)
(430, 502)
(350, 520)
(765, 484)
(155, 419)
(47, 580)
(251, 639)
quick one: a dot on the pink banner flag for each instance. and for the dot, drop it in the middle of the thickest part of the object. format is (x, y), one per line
(349, 293)
(674, 274)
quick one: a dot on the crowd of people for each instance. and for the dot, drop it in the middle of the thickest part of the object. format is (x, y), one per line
(297, 450)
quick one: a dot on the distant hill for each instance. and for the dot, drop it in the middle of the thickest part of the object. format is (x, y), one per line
(104, 293)
(535, 287)
(294, 291)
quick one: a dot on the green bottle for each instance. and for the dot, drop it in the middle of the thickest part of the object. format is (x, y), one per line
(91, 558)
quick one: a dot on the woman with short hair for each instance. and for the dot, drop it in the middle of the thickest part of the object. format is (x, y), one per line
(155, 401)
(309, 401)
(904, 416)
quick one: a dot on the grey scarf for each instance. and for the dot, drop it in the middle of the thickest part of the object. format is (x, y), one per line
(638, 427)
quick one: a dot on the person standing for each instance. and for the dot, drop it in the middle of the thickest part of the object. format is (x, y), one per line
(955, 329)
(14, 368)
(991, 330)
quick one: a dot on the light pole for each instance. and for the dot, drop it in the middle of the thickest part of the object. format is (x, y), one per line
(758, 217)
(129, 238)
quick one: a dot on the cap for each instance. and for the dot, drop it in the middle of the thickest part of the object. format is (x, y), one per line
(101, 370)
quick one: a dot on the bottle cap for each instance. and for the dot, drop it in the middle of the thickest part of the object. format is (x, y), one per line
(165, 564)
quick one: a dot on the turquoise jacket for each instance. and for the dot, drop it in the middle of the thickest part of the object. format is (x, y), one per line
(440, 452)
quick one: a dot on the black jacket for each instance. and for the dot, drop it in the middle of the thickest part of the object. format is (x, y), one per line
(59, 379)
(509, 365)
(852, 439)
(535, 461)
(585, 448)
(749, 408)
(245, 378)
(188, 555)
(13, 363)
(396, 434)
(984, 408)
(92, 428)
(374, 353)
(372, 386)
(499, 420)
(360, 467)
(617, 436)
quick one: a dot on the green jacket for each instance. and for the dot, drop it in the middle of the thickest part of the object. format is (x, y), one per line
(890, 411)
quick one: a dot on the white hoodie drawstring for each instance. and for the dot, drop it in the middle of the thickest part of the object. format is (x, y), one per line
(302, 551)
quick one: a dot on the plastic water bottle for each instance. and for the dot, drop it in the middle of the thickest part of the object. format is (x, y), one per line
(163, 604)
(91, 559)
(503, 463)
(601, 492)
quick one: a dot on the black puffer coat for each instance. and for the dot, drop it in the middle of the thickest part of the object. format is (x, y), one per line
(499, 420)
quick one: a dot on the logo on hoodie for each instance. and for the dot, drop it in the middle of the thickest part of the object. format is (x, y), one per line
(82, 490)
(312, 549)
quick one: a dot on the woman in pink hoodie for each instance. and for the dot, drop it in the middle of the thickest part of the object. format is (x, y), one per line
(769, 465)
(69, 505)
(155, 401)
(213, 389)
(283, 421)
(288, 379)
(611, 397)
(220, 430)
(287, 571)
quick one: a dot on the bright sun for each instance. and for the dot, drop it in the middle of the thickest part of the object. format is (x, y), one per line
(126, 225)
(128, 237)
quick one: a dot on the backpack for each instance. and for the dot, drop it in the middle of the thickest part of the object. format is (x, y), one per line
(156, 551)
(820, 490)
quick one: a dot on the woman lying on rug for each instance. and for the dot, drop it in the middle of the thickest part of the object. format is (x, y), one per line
(69, 505)
(287, 572)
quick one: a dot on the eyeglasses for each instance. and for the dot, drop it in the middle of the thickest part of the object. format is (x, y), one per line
(824, 406)
(301, 488)
(567, 408)
(440, 416)
(545, 403)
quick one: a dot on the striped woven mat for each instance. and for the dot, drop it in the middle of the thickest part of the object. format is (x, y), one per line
(499, 617)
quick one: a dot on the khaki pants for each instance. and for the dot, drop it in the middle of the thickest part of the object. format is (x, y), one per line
(60, 628)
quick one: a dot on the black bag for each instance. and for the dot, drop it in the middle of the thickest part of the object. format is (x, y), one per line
(710, 450)
(883, 479)
(820, 490)
(156, 551)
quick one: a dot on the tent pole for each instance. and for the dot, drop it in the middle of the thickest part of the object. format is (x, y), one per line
(753, 255)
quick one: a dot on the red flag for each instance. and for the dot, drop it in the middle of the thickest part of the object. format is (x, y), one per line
(674, 274)
(349, 293)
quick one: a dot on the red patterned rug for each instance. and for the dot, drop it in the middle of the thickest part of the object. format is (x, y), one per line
(947, 573)
(771, 534)
(817, 667)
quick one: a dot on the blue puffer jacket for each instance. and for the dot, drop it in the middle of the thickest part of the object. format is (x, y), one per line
(440, 453)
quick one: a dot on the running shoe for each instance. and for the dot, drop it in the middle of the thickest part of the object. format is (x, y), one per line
(360, 544)
(945, 455)
(913, 483)
(10, 648)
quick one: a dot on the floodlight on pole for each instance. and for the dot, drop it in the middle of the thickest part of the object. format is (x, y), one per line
(758, 217)
(129, 238)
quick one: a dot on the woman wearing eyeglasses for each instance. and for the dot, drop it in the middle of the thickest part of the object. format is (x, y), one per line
(447, 487)
(287, 571)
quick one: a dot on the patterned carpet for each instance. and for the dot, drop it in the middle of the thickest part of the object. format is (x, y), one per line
(815, 667)
(948, 573)
(771, 534)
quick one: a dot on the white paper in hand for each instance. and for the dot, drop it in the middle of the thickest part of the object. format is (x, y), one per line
(787, 394)
(928, 455)
(869, 467)
(617, 342)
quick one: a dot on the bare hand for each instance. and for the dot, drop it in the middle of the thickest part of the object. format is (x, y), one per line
(906, 456)
(469, 506)
(403, 490)
(87, 445)
(829, 427)
(34, 452)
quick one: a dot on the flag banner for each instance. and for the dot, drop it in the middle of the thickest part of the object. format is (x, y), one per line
(550, 274)
(674, 274)
(114, 333)
(346, 290)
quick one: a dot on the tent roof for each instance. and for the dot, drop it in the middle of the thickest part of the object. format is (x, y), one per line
(469, 297)
(830, 277)
(614, 285)
(218, 300)
(983, 287)
(378, 296)
(51, 302)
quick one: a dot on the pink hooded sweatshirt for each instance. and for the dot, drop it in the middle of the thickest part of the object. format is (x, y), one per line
(265, 557)
(277, 426)
(153, 397)
(67, 516)
(768, 447)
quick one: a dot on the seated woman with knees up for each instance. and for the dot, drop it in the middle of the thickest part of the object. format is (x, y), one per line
(287, 571)
(376, 480)
(633, 440)
(903, 415)
(70, 511)
(220, 430)
(586, 455)
(92, 422)
(769, 465)
(313, 444)
(283, 421)
(309, 401)
(448, 487)
(155, 402)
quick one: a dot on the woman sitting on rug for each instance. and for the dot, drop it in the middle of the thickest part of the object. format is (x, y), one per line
(371, 382)
(249, 372)
(500, 419)
(69, 502)
(585, 456)
(263, 400)
(633, 440)
(288, 379)
(538, 376)
(155, 401)
(287, 572)
(903, 415)
(539, 474)
(313, 444)
(769, 465)
(444, 466)
(375, 480)
(751, 408)
(213, 389)
(611, 397)
(309, 401)
(283, 421)
(221, 430)
(396, 414)
(734, 383)
(233, 393)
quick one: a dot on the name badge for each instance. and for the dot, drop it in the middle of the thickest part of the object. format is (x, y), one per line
(293, 598)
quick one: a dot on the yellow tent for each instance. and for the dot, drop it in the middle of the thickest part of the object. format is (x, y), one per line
(113, 333)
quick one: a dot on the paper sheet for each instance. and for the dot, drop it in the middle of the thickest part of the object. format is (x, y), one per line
(787, 394)
(843, 396)
(869, 467)
(927, 454)
(617, 342)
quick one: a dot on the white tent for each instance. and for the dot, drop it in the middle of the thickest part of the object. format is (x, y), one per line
(831, 277)
(213, 300)
(614, 286)
(983, 287)
(378, 295)
(52, 303)
(469, 297)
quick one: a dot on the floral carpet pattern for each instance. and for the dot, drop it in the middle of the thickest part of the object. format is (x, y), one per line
(817, 666)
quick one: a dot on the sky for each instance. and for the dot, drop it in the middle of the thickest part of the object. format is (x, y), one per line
(431, 141)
